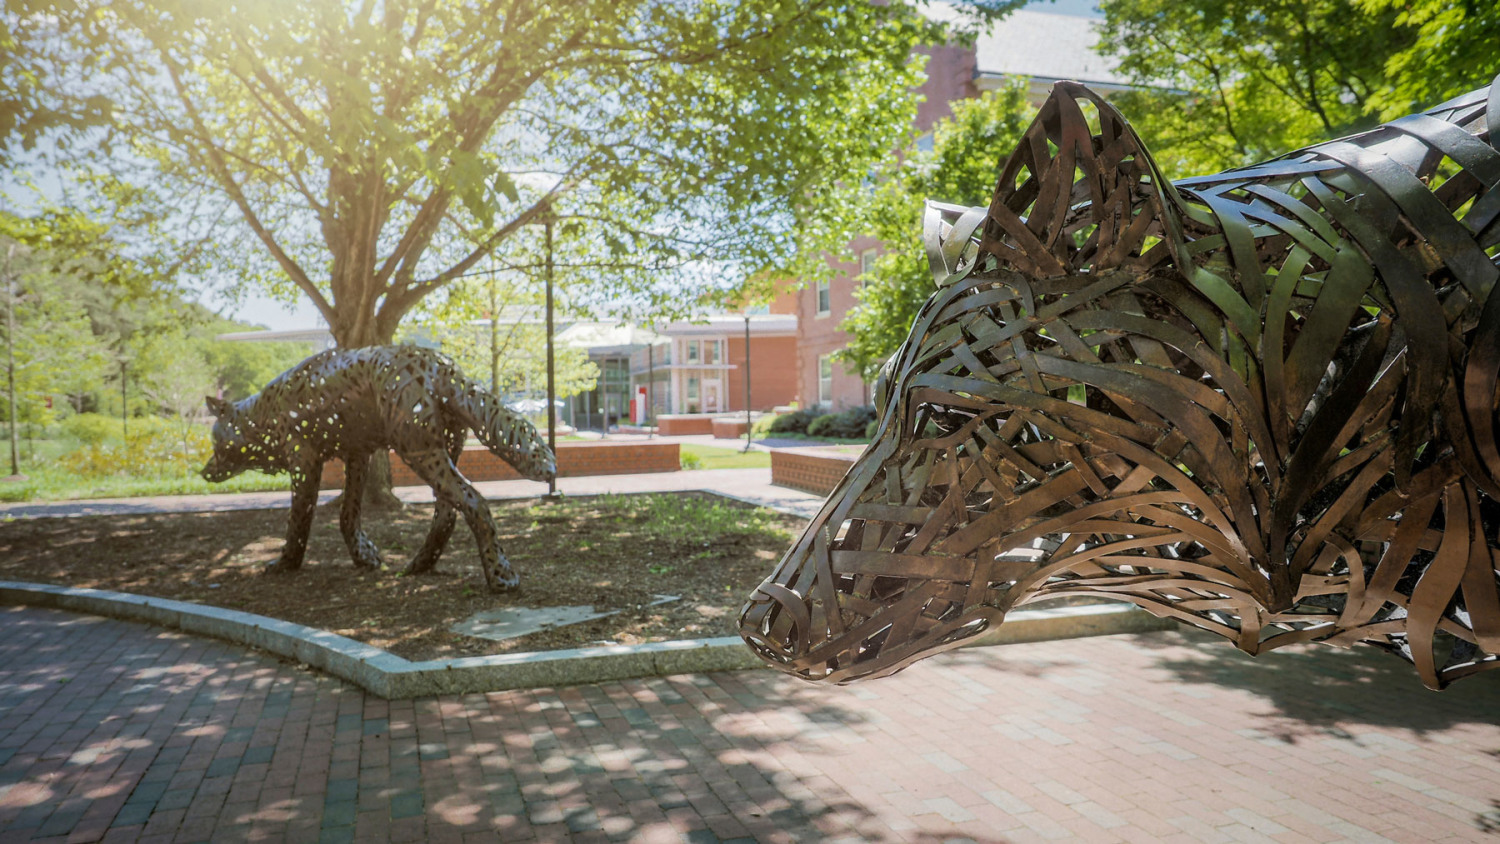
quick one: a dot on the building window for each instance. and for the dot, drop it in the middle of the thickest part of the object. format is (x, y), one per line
(924, 142)
(825, 380)
(824, 305)
(692, 391)
(692, 356)
(711, 351)
(867, 264)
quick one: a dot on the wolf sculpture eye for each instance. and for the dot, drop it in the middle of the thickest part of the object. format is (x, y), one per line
(1260, 402)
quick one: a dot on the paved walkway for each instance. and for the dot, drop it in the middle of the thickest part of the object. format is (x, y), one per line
(119, 732)
(750, 485)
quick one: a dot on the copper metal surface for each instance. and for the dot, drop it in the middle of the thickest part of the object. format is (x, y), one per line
(348, 404)
(1260, 402)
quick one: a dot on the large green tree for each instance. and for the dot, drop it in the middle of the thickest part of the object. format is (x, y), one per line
(1224, 83)
(364, 155)
(1456, 48)
(961, 168)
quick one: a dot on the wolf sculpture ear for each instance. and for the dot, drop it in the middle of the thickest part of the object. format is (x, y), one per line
(218, 407)
(948, 234)
(1073, 200)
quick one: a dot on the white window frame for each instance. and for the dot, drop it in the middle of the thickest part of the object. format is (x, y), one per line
(825, 380)
(867, 263)
(825, 298)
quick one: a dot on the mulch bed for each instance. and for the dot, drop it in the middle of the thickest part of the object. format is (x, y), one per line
(612, 552)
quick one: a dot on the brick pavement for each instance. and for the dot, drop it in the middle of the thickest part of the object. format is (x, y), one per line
(115, 731)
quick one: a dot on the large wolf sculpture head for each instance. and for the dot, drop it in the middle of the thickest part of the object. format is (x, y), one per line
(1260, 402)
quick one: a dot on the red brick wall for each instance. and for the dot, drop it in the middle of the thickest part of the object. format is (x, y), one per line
(950, 76)
(773, 372)
(729, 428)
(680, 425)
(821, 335)
(816, 470)
(574, 459)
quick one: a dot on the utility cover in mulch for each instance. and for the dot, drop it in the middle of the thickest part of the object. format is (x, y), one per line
(613, 552)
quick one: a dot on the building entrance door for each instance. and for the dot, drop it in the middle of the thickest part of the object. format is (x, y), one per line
(710, 396)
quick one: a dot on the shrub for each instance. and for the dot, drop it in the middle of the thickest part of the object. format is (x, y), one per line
(155, 450)
(795, 422)
(849, 424)
(691, 461)
(763, 425)
(91, 428)
(821, 426)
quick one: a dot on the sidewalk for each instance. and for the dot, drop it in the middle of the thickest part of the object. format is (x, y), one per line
(750, 485)
(112, 731)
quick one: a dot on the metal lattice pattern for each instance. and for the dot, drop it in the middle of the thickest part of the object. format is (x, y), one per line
(1260, 402)
(349, 404)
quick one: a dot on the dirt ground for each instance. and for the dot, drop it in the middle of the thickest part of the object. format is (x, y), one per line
(612, 552)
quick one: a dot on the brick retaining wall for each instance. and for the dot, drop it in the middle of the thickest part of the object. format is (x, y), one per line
(729, 428)
(680, 425)
(574, 459)
(815, 470)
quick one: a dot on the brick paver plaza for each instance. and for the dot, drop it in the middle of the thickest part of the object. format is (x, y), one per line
(119, 732)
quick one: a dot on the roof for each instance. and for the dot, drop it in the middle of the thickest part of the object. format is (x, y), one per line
(1045, 46)
(760, 324)
(602, 338)
(294, 335)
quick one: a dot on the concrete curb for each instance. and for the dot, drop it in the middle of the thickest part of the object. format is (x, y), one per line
(389, 676)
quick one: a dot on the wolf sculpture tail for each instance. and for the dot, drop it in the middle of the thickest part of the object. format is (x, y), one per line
(505, 433)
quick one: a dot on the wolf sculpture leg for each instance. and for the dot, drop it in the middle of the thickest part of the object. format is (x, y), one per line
(361, 549)
(437, 469)
(444, 517)
(305, 478)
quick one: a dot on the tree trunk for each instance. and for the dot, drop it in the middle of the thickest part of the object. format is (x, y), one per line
(379, 490)
(379, 493)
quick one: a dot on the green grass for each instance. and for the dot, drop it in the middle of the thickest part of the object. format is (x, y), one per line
(46, 484)
(710, 457)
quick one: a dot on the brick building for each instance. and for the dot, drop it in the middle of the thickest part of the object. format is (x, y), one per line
(1039, 47)
(699, 367)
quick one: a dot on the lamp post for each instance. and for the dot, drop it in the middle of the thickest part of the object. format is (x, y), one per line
(10, 366)
(551, 371)
(747, 383)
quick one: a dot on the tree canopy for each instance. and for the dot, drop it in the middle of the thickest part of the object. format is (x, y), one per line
(1223, 83)
(364, 155)
(961, 168)
(1231, 82)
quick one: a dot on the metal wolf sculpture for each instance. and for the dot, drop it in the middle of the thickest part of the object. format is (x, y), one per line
(348, 404)
(1261, 402)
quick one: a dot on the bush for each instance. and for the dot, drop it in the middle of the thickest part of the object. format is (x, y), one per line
(762, 426)
(91, 428)
(691, 461)
(795, 422)
(849, 424)
(155, 450)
